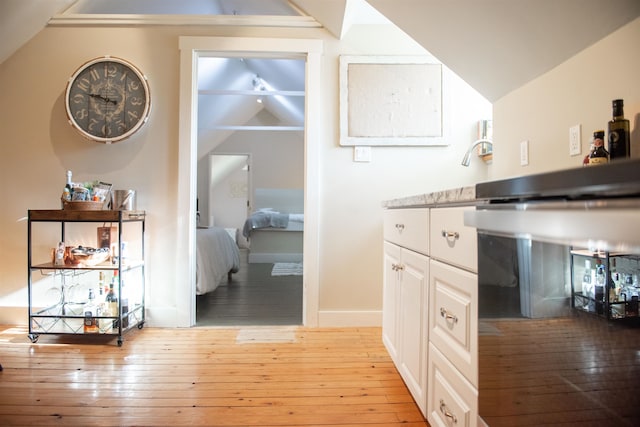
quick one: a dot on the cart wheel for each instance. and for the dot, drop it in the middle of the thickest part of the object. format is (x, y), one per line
(140, 325)
(119, 342)
(33, 338)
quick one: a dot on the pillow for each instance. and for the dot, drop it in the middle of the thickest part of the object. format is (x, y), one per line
(266, 210)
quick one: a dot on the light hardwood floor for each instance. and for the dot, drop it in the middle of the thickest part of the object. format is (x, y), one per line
(253, 376)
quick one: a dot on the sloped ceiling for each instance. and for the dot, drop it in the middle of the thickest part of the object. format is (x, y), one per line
(22, 19)
(499, 45)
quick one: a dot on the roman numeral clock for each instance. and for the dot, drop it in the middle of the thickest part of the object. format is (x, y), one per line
(107, 99)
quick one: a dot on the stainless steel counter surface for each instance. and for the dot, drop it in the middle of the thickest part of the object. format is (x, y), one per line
(453, 197)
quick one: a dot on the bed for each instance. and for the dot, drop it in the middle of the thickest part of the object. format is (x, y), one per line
(217, 257)
(275, 229)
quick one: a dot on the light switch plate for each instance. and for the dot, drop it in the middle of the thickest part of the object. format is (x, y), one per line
(524, 153)
(361, 153)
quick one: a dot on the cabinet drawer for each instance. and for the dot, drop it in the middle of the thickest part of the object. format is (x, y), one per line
(408, 228)
(451, 240)
(453, 312)
(452, 401)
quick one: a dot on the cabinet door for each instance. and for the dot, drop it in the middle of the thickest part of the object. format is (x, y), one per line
(414, 324)
(390, 299)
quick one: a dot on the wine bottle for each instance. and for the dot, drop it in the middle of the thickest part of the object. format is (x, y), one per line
(599, 154)
(112, 302)
(68, 188)
(619, 135)
(90, 312)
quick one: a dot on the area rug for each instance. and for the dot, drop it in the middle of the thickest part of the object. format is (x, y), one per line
(280, 334)
(287, 269)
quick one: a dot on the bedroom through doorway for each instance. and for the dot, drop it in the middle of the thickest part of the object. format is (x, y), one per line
(250, 183)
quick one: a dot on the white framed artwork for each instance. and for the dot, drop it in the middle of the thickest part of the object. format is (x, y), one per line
(390, 100)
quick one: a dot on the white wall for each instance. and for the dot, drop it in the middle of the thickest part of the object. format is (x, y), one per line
(579, 91)
(276, 156)
(37, 146)
(351, 259)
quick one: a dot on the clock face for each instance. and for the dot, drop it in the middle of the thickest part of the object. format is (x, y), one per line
(107, 99)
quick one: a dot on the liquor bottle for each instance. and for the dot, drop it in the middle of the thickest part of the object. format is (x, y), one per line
(601, 282)
(599, 155)
(66, 192)
(90, 313)
(619, 135)
(101, 288)
(112, 302)
(585, 161)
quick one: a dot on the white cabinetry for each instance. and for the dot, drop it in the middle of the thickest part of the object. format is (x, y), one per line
(430, 310)
(405, 296)
(453, 325)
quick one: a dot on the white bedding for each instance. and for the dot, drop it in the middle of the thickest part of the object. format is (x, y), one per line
(216, 256)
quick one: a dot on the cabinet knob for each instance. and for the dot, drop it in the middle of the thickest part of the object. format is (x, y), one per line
(444, 313)
(450, 234)
(397, 267)
(400, 227)
(446, 413)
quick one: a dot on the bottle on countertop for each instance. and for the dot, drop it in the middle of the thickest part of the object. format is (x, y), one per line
(619, 135)
(599, 155)
(585, 161)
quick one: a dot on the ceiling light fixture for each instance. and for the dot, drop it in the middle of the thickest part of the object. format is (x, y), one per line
(259, 86)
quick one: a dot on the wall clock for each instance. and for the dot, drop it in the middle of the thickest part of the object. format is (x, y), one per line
(107, 99)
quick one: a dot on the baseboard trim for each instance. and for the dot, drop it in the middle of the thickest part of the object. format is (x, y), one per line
(343, 318)
(166, 317)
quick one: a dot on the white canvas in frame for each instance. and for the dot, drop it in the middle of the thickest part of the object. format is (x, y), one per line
(390, 100)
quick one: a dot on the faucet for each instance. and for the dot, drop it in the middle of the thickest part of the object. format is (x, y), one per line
(487, 149)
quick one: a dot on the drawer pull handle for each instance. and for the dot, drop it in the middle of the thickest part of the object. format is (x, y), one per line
(446, 413)
(400, 227)
(450, 234)
(397, 267)
(444, 313)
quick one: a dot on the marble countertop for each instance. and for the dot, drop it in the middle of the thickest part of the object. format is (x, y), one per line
(453, 196)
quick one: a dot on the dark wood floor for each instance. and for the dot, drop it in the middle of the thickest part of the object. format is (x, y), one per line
(580, 371)
(253, 297)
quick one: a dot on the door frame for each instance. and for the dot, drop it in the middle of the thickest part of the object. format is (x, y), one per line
(192, 48)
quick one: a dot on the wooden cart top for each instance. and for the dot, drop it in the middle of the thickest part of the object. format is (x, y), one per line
(88, 216)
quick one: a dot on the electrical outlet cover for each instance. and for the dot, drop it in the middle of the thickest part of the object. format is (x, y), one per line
(575, 137)
(524, 153)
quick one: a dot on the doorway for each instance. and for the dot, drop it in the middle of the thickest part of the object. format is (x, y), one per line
(191, 49)
(253, 105)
